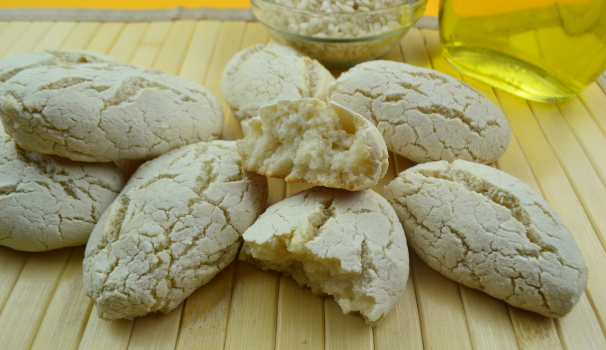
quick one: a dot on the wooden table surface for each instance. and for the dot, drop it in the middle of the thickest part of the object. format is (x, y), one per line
(559, 149)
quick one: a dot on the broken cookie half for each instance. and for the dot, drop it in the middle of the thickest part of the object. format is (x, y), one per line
(346, 244)
(176, 224)
(489, 231)
(312, 142)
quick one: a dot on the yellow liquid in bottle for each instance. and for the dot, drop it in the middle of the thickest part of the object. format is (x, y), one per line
(542, 50)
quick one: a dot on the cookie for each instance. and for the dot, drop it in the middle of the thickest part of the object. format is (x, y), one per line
(12, 65)
(263, 74)
(424, 115)
(105, 112)
(316, 143)
(346, 244)
(176, 224)
(48, 202)
(489, 231)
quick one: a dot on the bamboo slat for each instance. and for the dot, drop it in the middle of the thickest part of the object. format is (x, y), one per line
(575, 162)
(11, 264)
(29, 298)
(587, 132)
(106, 37)
(253, 310)
(58, 33)
(441, 312)
(156, 331)
(100, 334)
(150, 45)
(205, 313)
(173, 50)
(30, 38)
(488, 319)
(401, 328)
(3, 25)
(68, 311)
(228, 44)
(81, 35)
(200, 50)
(300, 318)
(128, 41)
(580, 329)
(11, 34)
(594, 99)
(344, 331)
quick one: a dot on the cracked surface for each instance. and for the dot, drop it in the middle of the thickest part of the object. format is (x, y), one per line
(263, 74)
(424, 115)
(47, 202)
(346, 244)
(313, 142)
(104, 112)
(487, 230)
(12, 65)
(176, 224)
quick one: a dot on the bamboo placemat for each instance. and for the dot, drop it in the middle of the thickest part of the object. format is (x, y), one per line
(559, 149)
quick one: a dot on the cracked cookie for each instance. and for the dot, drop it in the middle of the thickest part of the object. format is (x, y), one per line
(346, 244)
(48, 202)
(176, 224)
(487, 230)
(316, 143)
(422, 114)
(263, 74)
(12, 65)
(104, 112)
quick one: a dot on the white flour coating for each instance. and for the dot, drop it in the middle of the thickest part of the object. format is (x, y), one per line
(346, 244)
(176, 224)
(489, 231)
(263, 74)
(422, 114)
(105, 112)
(47, 202)
(313, 142)
(12, 65)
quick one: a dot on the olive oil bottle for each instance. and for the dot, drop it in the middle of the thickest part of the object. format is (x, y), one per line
(542, 50)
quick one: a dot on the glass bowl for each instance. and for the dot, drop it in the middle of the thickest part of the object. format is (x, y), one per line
(339, 39)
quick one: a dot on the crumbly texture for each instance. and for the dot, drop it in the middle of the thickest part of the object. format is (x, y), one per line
(325, 26)
(263, 74)
(105, 112)
(339, 6)
(176, 224)
(47, 202)
(346, 244)
(422, 114)
(489, 231)
(12, 65)
(313, 142)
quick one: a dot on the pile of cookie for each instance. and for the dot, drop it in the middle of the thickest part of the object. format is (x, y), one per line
(184, 214)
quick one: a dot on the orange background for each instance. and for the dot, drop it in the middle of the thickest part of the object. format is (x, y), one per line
(432, 5)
